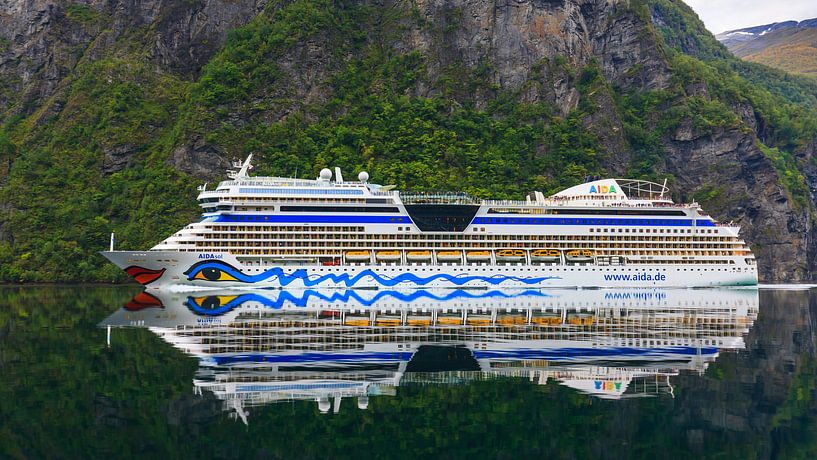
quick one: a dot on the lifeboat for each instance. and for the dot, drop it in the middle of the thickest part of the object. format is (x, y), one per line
(547, 319)
(479, 321)
(418, 256)
(579, 255)
(449, 256)
(547, 256)
(387, 256)
(449, 320)
(358, 256)
(329, 314)
(478, 256)
(418, 320)
(387, 321)
(511, 320)
(580, 319)
(357, 320)
(510, 255)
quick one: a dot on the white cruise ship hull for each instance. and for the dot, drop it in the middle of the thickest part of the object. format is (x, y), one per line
(190, 270)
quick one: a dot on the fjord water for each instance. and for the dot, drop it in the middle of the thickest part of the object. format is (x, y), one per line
(617, 374)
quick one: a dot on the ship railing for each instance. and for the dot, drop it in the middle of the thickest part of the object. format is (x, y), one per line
(573, 202)
(437, 198)
(286, 182)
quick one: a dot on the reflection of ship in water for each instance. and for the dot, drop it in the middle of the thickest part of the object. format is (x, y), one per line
(259, 347)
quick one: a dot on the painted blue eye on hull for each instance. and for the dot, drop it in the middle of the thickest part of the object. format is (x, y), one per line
(216, 271)
(302, 298)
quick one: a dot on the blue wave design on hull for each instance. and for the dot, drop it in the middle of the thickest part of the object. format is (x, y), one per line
(217, 269)
(568, 354)
(302, 298)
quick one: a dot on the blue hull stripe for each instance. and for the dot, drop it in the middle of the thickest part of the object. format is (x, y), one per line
(364, 219)
(591, 222)
(307, 219)
(552, 354)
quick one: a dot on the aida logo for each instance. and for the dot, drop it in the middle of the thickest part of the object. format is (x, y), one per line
(603, 189)
(607, 385)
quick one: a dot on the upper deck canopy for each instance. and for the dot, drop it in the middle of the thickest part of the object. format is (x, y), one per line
(616, 189)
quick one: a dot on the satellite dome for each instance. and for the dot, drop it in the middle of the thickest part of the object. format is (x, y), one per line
(363, 176)
(326, 174)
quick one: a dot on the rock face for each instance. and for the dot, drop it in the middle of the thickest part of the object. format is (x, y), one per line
(748, 193)
(515, 35)
(41, 41)
(534, 49)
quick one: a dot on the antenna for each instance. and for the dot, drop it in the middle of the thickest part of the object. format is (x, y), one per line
(338, 175)
(245, 167)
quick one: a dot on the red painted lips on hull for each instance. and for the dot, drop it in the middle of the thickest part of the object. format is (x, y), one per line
(144, 275)
(143, 300)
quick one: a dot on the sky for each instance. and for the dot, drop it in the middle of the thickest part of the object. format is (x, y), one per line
(722, 15)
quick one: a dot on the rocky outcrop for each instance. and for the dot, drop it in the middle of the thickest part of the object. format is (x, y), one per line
(41, 41)
(516, 36)
(745, 189)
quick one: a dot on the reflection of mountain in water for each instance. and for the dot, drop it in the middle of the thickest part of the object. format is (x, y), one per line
(260, 347)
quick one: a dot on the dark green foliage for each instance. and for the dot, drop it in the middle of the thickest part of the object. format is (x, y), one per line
(371, 121)
(81, 13)
(64, 207)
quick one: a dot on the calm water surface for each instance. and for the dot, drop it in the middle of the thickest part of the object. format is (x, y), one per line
(88, 372)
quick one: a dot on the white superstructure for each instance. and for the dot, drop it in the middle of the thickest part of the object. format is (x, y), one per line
(283, 232)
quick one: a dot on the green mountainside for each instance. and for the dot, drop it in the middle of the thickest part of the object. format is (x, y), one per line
(128, 111)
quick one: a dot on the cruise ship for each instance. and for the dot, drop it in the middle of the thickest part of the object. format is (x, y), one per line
(260, 347)
(329, 232)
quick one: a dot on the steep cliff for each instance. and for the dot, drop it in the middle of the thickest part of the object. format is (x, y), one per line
(112, 111)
